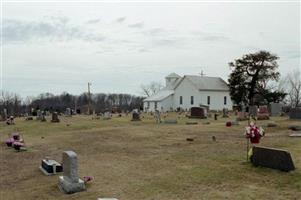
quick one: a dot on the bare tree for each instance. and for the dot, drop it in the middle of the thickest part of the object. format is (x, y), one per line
(151, 88)
(292, 86)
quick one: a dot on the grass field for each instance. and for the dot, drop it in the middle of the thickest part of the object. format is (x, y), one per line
(145, 160)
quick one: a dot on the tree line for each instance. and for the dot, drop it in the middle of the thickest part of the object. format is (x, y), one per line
(100, 102)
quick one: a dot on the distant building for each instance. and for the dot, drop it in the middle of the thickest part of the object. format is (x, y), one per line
(190, 91)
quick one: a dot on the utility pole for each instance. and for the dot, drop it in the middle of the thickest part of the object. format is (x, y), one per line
(89, 98)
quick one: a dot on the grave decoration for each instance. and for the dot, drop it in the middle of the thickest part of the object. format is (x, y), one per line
(16, 141)
(10, 120)
(50, 167)
(254, 133)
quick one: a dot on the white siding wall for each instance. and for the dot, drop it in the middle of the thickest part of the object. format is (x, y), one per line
(151, 106)
(216, 99)
(186, 89)
(166, 104)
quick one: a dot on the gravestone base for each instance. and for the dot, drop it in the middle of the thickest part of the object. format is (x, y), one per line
(70, 187)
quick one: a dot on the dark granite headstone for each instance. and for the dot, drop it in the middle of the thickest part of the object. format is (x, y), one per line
(198, 112)
(135, 116)
(272, 158)
(55, 117)
(50, 167)
(295, 113)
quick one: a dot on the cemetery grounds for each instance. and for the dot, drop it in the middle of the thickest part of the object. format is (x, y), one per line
(145, 160)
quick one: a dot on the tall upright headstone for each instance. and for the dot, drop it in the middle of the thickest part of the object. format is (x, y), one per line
(70, 182)
(295, 113)
(55, 117)
(276, 109)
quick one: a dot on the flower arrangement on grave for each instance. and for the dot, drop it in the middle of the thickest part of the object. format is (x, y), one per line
(254, 133)
(87, 179)
(15, 141)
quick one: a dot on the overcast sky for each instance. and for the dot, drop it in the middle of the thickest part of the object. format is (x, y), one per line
(56, 47)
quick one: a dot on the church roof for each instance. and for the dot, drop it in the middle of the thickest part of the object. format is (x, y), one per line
(207, 83)
(162, 94)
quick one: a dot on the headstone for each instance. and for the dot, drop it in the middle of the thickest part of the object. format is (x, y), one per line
(234, 123)
(107, 199)
(135, 116)
(271, 124)
(191, 123)
(28, 118)
(55, 117)
(276, 109)
(50, 167)
(294, 127)
(295, 113)
(170, 121)
(295, 134)
(241, 116)
(43, 117)
(68, 112)
(272, 158)
(225, 113)
(198, 112)
(263, 113)
(253, 111)
(5, 115)
(107, 115)
(70, 182)
(39, 115)
(158, 116)
(215, 116)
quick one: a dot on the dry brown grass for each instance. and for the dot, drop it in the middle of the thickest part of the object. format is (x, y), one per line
(144, 160)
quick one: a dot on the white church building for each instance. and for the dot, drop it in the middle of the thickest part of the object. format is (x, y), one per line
(190, 91)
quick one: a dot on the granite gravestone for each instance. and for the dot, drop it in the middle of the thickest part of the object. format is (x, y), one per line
(253, 111)
(107, 115)
(158, 116)
(39, 115)
(276, 109)
(225, 113)
(295, 113)
(272, 158)
(70, 182)
(170, 121)
(68, 112)
(55, 117)
(198, 112)
(43, 117)
(135, 116)
(242, 116)
(50, 167)
(263, 113)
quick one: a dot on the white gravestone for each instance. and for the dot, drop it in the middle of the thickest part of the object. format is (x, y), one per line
(70, 182)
